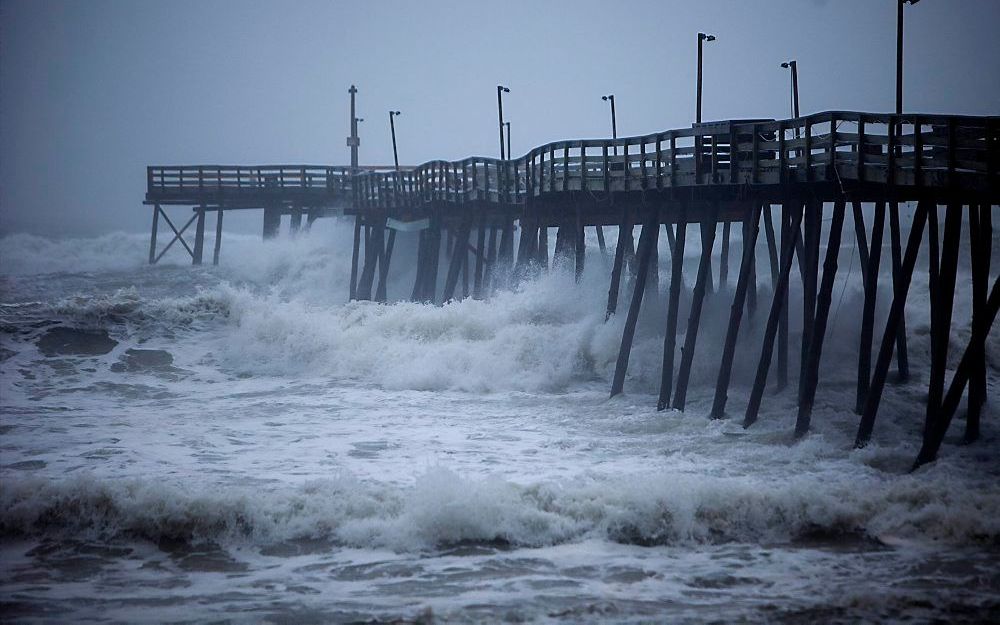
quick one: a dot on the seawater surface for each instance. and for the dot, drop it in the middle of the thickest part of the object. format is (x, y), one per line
(240, 442)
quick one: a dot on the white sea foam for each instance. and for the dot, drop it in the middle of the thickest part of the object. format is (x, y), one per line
(442, 508)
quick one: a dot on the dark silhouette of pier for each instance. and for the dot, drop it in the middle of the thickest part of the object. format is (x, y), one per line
(494, 216)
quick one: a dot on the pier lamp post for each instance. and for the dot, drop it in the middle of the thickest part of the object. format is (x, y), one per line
(507, 126)
(792, 65)
(614, 122)
(899, 53)
(500, 91)
(702, 37)
(392, 128)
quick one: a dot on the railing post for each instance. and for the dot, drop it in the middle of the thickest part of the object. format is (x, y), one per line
(673, 159)
(659, 162)
(642, 165)
(565, 181)
(890, 174)
(808, 149)
(861, 149)
(832, 171)
(918, 153)
(606, 166)
(782, 154)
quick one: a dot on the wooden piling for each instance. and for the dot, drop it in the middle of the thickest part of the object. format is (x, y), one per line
(383, 273)
(543, 247)
(709, 226)
(889, 338)
(218, 237)
(736, 311)
(941, 306)
(152, 234)
(980, 244)
(580, 245)
(624, 239)
(199, 238)
(870, 267)
(649, 231)
(812, 224)
(459, 250)
(772, 245)
(477, 282)
(778, 302)
(355, 253)
(902, 357)
(790, 237)
(670, 334)
(823, 301)
(724, 258)
(272, 222)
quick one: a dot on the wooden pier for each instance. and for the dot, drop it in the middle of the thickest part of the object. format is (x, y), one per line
(750, 174)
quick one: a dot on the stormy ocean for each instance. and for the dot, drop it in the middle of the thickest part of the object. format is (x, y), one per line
(242, 443)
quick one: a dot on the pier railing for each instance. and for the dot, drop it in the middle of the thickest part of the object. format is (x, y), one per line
(894, 150)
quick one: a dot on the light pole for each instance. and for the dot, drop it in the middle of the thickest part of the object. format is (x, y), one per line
(792, 65)
(507, 125)
(614, 122)
(702, 37)
(500, 91)
(392, 128)
(899, 54)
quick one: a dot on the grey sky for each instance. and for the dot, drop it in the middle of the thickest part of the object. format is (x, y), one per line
(92, 92)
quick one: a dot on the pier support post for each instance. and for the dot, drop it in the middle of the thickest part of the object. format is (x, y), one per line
(624, 241)
(902, 357)
(650, 229)
(374, 248)
(459, 251)
(218, 236)
(824, 299)
(980, 244)
(272, 222)
(724, 259)
(152, 234)
(543, 247)
(812, 224)
(477, 281)
(295, 220)
(580, 246)
(941, 306)
(354, 256)
(383, 268)
(670, 335)
(778, 303)
(199, 237)
(870, 266)
(900, 289)
(708, 227)
(736, 311)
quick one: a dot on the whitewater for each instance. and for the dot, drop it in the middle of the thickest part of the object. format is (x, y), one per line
(241, 443)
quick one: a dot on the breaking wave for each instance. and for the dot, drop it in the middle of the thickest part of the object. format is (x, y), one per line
(442, 508)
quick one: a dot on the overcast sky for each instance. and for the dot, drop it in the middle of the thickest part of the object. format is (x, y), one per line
(92, 92)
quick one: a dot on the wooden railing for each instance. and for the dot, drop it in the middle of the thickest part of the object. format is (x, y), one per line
(906, 150)
(901, 151)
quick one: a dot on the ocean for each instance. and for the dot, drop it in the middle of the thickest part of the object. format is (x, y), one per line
(241, 443)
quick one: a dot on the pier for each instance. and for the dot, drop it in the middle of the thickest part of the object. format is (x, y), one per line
(785, 177)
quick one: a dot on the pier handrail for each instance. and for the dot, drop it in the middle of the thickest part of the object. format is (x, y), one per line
(909, 150)
(903, 150)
